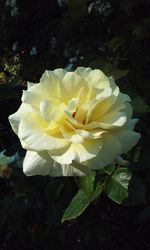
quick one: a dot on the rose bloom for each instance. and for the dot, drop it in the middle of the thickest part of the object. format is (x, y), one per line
(73, 122)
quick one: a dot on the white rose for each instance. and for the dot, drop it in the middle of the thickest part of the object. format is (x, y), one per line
(73, 122)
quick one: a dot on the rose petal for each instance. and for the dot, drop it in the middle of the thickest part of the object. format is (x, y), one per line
(108, 153)
(42, 164)
(79, 152)
(32, 131)
(128, 139)
(52, 111)
(15, 118)
(60, 72)
(131, 124)
(34, 164)
(110, 121)
(83, 71)
(71, 81)
(97, 79)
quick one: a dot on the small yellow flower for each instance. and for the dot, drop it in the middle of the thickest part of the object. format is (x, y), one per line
(73, 122)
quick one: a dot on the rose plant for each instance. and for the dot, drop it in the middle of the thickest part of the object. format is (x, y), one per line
(73, 122)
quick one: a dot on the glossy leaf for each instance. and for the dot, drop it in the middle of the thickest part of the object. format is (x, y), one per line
(78, 204)
(116, 185)
(86, 183)
(97, 191)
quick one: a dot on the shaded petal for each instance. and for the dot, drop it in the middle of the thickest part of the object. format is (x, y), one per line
(42, 164)
(108, 153)
(30, 84)
(109, 121)
(71, 135)
(105, 103)
(112, 120)
(68, 170)
(94, 111)
(91, 134)
(131, 124)
(34, 164)
(73, 122)
(83, 71)
(79, 152)
(78, 135)
(128, 139)
(117, 116)
(72, 105)
(75, 170)
(60, 72)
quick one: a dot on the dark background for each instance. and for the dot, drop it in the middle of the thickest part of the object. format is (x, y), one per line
(37, 35)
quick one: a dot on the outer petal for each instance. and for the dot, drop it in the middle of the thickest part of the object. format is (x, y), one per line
(60, 73)
(109, 152)
(75, 169)
(32, 132)
(131, 124)
(32, 95)
(42, 164)
(50, 83)
(83, 71)
(49, 87)
(117, 107)
(30, 84)
(34, 164)
(97, 79)
(128, 139)
(15, 118)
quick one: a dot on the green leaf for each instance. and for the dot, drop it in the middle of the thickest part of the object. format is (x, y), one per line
(86, 183)
(116, 185)
(109, 69)
(139, 105)
(81, 201)
(97, 191)
(78, 204)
